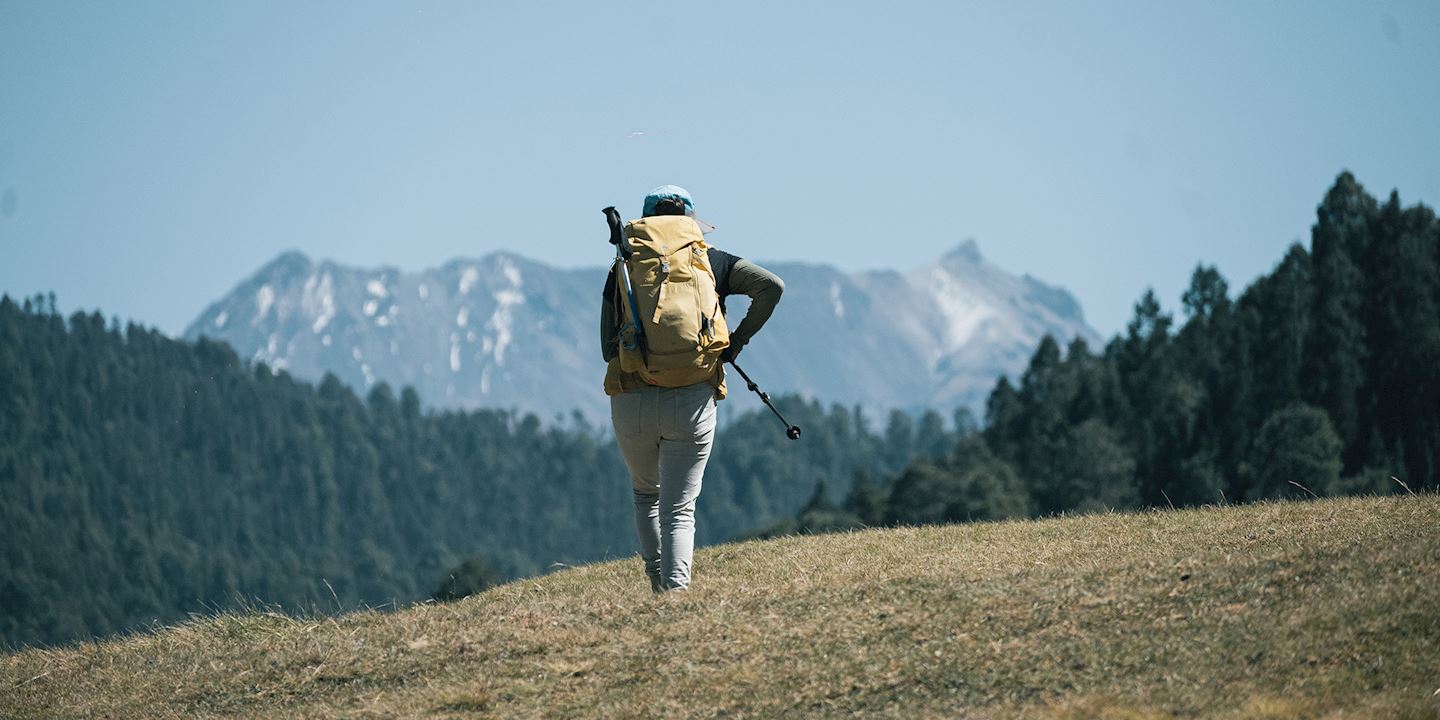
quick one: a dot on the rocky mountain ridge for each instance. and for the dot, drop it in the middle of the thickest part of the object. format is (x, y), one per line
(507, 331)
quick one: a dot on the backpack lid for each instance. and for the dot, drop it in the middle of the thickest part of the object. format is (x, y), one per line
(666, 233)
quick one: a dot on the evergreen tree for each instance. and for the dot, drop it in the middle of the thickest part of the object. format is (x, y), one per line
(972, 485)
(1274, 321)
(1093, 470)
(1003, 415)
(1335, 348)
(1402, 325)
(1296, 445)
(866, 500)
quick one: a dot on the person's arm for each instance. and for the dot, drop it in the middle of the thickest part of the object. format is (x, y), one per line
(764, 289)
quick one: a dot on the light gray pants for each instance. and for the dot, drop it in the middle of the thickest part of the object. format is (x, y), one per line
(665, 435)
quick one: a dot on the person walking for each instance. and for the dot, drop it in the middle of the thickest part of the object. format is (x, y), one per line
(664, 337)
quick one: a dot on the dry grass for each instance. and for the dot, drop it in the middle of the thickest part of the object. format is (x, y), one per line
(1325, 609)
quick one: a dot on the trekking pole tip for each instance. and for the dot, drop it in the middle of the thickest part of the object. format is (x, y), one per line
(793, 432)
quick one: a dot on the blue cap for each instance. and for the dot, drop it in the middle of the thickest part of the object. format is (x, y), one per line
(674, 192)
(667, 192)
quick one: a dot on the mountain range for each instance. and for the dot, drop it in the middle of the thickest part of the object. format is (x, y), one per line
(506, 331)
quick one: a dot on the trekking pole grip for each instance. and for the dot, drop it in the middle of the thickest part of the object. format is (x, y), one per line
(617, 231)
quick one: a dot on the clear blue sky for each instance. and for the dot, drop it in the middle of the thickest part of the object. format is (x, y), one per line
(153, 154)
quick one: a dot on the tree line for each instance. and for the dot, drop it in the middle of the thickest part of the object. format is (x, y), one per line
(143, 478)
(1321, 378)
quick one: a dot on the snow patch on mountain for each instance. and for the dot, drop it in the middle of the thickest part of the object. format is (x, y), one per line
(468, 278)
(319, 301)
(264, 300)
(963, 313)
(503, 320)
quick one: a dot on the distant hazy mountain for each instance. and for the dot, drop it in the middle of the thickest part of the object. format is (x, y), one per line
(505, 331)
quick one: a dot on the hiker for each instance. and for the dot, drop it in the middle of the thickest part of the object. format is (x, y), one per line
(665, 372)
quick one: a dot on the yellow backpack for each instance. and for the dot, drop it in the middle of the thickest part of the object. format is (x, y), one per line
(680, 332)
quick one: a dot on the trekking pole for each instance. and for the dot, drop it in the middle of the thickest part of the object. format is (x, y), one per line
(622, 276)
(791, 431)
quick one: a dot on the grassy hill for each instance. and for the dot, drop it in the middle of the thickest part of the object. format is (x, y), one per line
(1321, 609)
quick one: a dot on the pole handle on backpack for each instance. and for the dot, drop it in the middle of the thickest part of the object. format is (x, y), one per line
(623, 251)
(617, 232)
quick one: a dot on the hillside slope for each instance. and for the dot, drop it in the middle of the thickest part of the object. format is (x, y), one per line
(1320, 609)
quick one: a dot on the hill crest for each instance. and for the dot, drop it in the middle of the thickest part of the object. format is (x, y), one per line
(1269, 610)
